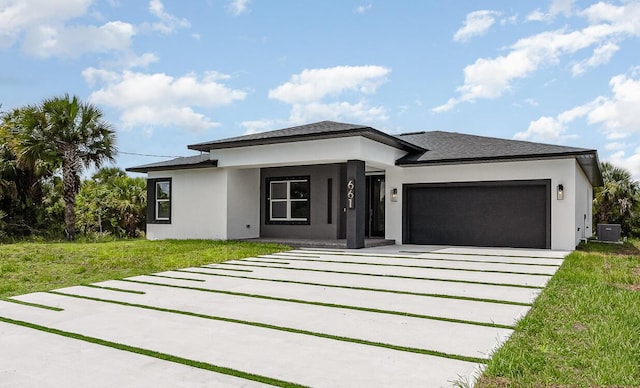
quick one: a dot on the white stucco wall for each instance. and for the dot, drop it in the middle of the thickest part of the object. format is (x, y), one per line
(198, 205)
(323, 151)
(584, 203)
(560, 171)
(243, 206)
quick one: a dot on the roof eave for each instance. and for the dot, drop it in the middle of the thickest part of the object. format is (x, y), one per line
(146, 169)
(587, 159)
(366, 132)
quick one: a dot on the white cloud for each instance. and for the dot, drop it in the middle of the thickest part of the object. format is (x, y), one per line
(45, 41)
(314, 84)
(492, 77)
(42, 26)
(18, 16)
(616, 115)
(631, 162)
(363, 8)
(477, 23)
(615, 146)
(159, 99)
(555, 8)
(323, 94)
(337, 111)
(513, 19)
(544, 129)
(168, 23)
(238, 7)
(601, 55)
(256, 126)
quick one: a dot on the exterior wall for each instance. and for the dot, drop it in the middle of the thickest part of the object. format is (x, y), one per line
(198, 205)
(243, 203)
(584, 205)
(560, 171)
(319, 228)
(313, 152)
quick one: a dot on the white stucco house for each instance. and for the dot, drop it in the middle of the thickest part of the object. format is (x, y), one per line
(330, 180)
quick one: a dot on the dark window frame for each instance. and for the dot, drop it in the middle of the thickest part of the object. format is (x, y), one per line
(267, 212)
(152, 201)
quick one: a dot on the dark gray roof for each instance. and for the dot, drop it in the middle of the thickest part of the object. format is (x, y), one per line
(435, 147)
(444, 146)
(314, 131)
(451, 148)
(196, 161)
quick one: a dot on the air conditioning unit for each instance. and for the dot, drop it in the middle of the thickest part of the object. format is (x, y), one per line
(609, 232)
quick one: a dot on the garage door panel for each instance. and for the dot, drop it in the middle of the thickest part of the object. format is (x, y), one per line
(507, 214)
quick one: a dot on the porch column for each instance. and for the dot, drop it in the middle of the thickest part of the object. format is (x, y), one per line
(356, 203)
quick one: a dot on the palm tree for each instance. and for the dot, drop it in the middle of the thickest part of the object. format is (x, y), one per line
(617, 199)
(70, 134)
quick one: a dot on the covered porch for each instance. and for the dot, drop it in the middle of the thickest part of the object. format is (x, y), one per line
(320, 243)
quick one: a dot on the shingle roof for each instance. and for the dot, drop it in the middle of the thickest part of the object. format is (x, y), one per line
(196, 161)
(435, 147)
(454, 148)
(313, 131)
(450, 146)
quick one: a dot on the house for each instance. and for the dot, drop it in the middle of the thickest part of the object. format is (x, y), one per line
(331, 180)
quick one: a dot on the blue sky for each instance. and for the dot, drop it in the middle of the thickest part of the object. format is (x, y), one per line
(170, 73)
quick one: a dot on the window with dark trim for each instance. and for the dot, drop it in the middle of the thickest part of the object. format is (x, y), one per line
(159, 201)
(287, 201)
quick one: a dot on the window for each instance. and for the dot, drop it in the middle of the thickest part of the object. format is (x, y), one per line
(163, 200)
(288, 200)
(159, 201)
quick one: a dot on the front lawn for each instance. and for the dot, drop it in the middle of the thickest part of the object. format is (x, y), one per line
(583, 330)
(31, 267)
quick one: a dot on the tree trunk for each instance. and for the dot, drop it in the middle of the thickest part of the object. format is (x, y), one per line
(69, 195)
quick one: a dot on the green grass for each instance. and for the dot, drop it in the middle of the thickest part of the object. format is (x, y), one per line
(31, 267)
(583, 330)
(159, 355)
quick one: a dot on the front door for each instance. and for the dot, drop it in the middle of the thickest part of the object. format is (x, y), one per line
(375, 206)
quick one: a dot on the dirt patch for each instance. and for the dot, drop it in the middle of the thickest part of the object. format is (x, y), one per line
(493, 382)
(630, 287)
(579, 327)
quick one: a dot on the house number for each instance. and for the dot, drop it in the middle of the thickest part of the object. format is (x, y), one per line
(350, 193)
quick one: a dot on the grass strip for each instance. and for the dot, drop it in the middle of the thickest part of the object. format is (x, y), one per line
(323, 304)
(263, 261)
(30, 304)
(483, 254)
(176, 277)
(583, 330)
(113, 289)
(225, 269)
(27, 267)
(283, 328)
(362, 288)
(388, 275)
(155, 354)
(290, 255)
(403, 266)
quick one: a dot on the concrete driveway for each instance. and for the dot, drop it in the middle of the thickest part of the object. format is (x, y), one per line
(388, 316)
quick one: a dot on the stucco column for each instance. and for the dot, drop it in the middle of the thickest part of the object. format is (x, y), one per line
(356, 203)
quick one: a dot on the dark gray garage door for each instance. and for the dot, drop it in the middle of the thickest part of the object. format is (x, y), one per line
(491, 214)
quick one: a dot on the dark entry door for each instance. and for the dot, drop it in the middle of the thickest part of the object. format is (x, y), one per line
(499, 214)
(375, 206)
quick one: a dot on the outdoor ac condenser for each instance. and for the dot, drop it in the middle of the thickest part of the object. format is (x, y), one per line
(609, 232)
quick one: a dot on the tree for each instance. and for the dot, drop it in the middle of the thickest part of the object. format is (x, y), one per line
(21, 184)
(112, 202)
(65, 132)
(616, 200)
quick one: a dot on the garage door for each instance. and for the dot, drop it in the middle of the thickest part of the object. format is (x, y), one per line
(491, 214)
